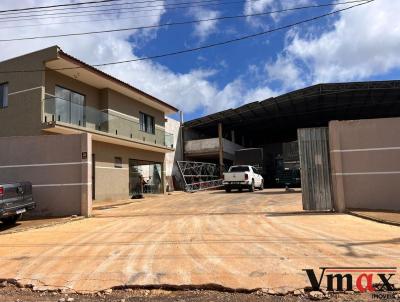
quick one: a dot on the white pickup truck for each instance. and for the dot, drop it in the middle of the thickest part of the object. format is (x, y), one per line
(239, 177)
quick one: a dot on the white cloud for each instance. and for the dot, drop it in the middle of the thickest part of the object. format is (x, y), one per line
(261, 6)
(362, 43)
(260, 94)
(286, 4)
(254, 7)
(204, 29)
(285, 70)
(189, 91)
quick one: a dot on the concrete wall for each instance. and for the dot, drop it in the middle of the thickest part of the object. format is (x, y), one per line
(26, 91)
(210, 146)
(173, 175)
(365, 160)
(55, 166)
(201, 146)
(113, 183)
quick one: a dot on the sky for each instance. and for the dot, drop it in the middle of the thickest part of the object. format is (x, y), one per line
(359, 44)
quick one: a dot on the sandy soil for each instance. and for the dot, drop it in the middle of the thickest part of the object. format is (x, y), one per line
(238, 241)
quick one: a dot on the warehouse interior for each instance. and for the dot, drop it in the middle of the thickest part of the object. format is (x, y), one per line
(267, 124)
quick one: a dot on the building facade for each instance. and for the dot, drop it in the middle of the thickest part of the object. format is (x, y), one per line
(49, 92)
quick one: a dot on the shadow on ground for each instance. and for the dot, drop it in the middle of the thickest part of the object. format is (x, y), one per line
(258, 192)
(5, 227)
(302, 213)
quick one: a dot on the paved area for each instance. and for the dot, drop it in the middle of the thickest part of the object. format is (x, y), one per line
(237, 240)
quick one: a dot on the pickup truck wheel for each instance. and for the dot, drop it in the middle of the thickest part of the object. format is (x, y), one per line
(228, 190)
(251, 189)
(11, 219)
(262, 185)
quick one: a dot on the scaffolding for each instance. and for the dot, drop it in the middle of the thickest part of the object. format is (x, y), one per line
(199, 176)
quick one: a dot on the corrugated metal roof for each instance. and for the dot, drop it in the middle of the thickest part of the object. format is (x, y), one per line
(334, 95)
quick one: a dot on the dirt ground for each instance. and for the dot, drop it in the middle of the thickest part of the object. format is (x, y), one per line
(12, 293)
(238, 241)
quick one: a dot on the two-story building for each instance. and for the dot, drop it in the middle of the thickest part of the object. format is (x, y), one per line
(49, 92)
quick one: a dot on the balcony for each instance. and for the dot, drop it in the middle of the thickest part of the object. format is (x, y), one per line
(116, 124)
(209, 147)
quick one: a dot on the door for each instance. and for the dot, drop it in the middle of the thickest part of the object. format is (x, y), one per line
(315, 169)
(145, 177)
(257, 177)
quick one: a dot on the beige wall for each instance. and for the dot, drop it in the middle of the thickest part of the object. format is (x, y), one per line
(127, 123)
(365, 160)
(26, 90)
(54, 164)
(111, 182)
(53, 79)
(173, 176)
(126, 105)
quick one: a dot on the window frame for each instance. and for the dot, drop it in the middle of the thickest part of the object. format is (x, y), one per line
(143, 125)
(4, 102)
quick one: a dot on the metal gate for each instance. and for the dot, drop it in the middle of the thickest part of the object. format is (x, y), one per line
(315, 168)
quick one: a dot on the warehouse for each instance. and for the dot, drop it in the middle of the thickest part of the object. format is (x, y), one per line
(269, 123)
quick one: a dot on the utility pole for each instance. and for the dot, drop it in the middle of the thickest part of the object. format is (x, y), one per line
(221, 150)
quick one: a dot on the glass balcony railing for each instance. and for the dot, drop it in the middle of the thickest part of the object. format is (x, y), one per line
(60, 110)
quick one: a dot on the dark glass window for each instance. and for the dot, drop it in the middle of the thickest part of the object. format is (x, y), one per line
(239, 169)
(70, 106)
(4, 95)
(147, 123)
(118, 162)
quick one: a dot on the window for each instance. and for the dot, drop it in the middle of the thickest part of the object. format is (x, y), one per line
(118, 162)
(3, 95)
(146, 123)
(239, 169)
(70, 106)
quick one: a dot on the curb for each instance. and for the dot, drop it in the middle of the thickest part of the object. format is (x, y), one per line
(383, 221)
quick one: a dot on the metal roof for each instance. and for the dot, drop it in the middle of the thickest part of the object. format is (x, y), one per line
(320, 103)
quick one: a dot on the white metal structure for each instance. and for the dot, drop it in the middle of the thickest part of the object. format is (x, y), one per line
(199, 175)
